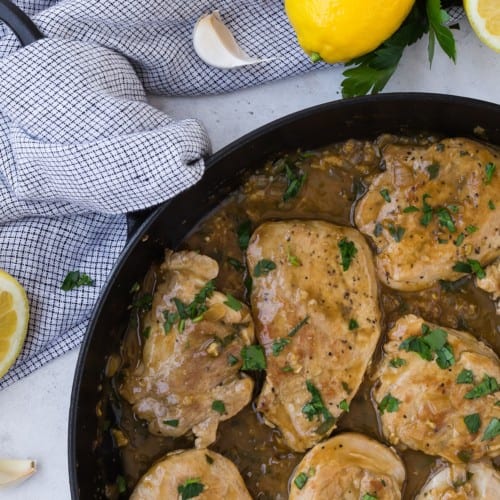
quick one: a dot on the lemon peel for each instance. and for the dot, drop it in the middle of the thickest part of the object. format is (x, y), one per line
(341, 30)
(484, 17)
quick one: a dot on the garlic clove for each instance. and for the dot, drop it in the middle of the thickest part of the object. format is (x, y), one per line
(215, 44)
(15, 471)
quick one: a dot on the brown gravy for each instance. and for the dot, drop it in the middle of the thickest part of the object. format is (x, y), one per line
(336, 177)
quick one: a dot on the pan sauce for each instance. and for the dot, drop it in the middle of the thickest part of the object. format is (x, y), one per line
(336, 177)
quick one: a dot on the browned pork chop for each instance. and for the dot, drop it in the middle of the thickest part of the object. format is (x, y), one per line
(201, 474)
(314, 301)
(437, 391)
(188, 378)
(432, 208)
(348, 466)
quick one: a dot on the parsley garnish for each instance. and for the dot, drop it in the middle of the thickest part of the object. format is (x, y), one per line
(471, 229)
(295, 179)
(471, 266)
(121, 484)
(488, 385)
(316, 407)
(347, 252)
(389, 404)
(315, 57)
(369, 496)
(344, 405)
(396, 232)
(292, 259)
(75, 279)
(377, 230)
(427, 211)
(397, 362)
(385, 194)
(465, 377)
(491, 205)
(191, 488)
(219, 406)
(300, 480)
(490, 170)
(410, 209)
(263, 267)
(233, 303)
(143, 303)
(445, 219)
(253, 358)
(134, 288)
(172, 423)
(170, 319)
(298, 326)
(146, 332)
(459, 240)
(279, 345)
(472, 422)
(232, 360)
(493, 429)
(353, 324)
(433, 170)
(243, 232)
(236, 263)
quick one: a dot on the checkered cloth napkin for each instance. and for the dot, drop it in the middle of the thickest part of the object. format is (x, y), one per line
(80, 146)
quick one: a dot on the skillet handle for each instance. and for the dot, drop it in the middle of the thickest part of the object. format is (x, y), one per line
(22, 26)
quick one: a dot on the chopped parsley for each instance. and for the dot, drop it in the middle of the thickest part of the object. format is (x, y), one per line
(287, 368)
(471, 266)
(191, 488)
(316, 408)
(490, 170)
(170, 319)
(243, 232)
(445, 219)
(430, 343)
(121, 484)
(172, 423)
(377, 231)
(295, 180)
(491, 205)
(279, 345)
(459, 240)
(488, 385)
(298, 326)
(292, 259)
(300, 480)
(410, 209)
(219, 406)
(389, 404)
(344, 405)
(236, 264)
(315, 57)
(253, 358)
(134, 288)
(233, 303)
(492, 430)
(471, 229)
(232, 360)
(347, 252)
(146, 332)
(143, 303)
(465, 456)
(385, 194)
(472, 422)
(465, 377)
(75, 279)
(346, 387)
(397, 362)
(433, 170)
(369, 496)
(263, 267)
(396, 232)
(427, 211)
(353, 324)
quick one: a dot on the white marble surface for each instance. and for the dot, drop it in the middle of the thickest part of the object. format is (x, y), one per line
(34, 412)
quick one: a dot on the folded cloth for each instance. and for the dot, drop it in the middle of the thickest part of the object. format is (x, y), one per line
(80, 146)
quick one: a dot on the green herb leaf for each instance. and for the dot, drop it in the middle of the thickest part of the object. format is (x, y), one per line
(491, 205)
(292, 259)
(298, 326)
(243, 232)
(465, 377)
(233, 303)
(253, 358)
(300, 480)
(471, 266)
(410, 209)
(287, 368)
(493, 429)
(385, 194)
(315, 57)
(146, 332)
(389, 404)
(170, 319)
(143, 303)
(75, 279)
(295, 179)
(346, 387)
(232, 360)
(445, 219)
(396, 232)
(219, 406)
(236, 263)
(316, 407)
(472, 422)
(465, 456)
(377, 231)
(438, 18)
(471, 229)
(397, 362)
(490, 170)
(279, 345)
(488, 385)
(433, 170)
(353, 324)
(121, 484)
(347, 252)
(459, 240)
(134, 288)
(263, 267)
(427, 211)
(191, 488)
(444, 357)
(369, 496)
(344, 405)
(172, 423)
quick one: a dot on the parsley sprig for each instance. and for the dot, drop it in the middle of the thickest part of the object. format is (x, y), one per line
(371, 72)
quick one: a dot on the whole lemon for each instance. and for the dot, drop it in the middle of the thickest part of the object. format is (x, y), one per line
(340, 30)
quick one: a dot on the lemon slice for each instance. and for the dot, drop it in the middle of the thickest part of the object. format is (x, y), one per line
(14, 314)
(484, 17)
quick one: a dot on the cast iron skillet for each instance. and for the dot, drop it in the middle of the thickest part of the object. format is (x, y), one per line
(361, 118)
(168, 225)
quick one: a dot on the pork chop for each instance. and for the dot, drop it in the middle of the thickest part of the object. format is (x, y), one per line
(315, 306)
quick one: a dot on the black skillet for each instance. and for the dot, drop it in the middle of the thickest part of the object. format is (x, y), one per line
(362, 118)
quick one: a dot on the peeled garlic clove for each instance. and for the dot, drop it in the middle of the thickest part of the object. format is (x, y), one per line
(215, 44)
(15, 471)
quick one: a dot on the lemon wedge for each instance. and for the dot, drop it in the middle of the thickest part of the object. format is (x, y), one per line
(484, 17)
(14, 315)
